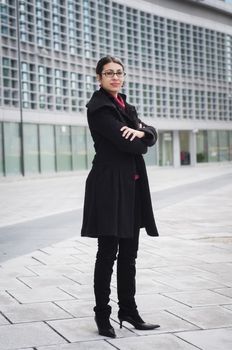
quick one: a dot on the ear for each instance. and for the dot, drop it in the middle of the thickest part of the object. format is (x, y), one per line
(98, 77)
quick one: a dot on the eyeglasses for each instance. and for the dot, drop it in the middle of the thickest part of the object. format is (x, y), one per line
(110, 74)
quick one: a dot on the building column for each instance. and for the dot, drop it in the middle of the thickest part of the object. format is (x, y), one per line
(193, 147)
(176, 148)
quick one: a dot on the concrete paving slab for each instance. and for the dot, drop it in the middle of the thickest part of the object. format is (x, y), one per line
(28, 335)
(188, 282)
(161, 342)
(61, 250)
(217, 267)
(9, 282)
(3, 320)
(77, 308)
(53, 269)
(224, 278)
(153, 302)
(148, 286)
(34, 312)
(229, 307)
(199, 298)
(87, 345)
(216, 256)
(184, 271)
(6, 299)
(80, 277)
(39, 295)
(80, 329)
(20, 263)
(149, 260)
(80, 292)
(46, 259)
(12, 272)
(205, 317)
(209, 339)
(46, 281)
(84, 267)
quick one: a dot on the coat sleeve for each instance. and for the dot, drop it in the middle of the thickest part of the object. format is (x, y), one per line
(151, 135)
(105, 122)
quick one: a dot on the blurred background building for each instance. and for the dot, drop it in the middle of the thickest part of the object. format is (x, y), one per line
(178, 58)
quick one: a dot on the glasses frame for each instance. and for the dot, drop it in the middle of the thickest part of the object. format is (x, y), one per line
(112, 74)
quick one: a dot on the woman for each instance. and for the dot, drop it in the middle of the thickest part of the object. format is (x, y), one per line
(117, 199)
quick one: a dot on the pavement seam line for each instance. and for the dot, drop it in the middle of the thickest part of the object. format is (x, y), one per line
(182, 318)
(62, 336)
(19, 302)
(114, 346)
(3, 315)
(186, 341)
(27, 285)
(68, 312)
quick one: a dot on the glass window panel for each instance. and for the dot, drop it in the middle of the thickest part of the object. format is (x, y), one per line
(63, 148)
(12, 148)
(47, 148)
(90, 149)
(79, 151)
(31, 157)
(223, 145)
(165, 148)
(202, 146)
(184, 147)
(151, 156)
(213, 146)
(230, 144)
(1, 151)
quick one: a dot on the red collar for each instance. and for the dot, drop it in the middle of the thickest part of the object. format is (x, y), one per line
(120, 101)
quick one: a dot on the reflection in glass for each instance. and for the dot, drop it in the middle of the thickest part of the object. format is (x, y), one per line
(202, 146)
(212, 146)
(47, 148)
(63, 147)
(31, 148)
(223, 149)
(1, 151)
(79, 152)
(12, 148)
(165, 148)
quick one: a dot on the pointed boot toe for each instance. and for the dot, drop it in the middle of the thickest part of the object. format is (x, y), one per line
(137, 322)
(104, 328)
(107, 332)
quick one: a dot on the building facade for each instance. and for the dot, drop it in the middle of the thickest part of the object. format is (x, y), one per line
(178, 59)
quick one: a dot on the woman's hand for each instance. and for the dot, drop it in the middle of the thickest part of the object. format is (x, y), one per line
(132, 133)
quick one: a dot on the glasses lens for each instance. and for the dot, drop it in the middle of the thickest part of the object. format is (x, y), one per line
(120, 74)
(111, 73)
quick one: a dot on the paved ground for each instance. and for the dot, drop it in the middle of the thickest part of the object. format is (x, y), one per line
(184, 277)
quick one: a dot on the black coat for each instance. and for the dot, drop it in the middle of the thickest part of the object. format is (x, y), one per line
(110, 185)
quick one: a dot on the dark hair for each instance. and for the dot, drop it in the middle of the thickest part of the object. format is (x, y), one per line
(107, 59)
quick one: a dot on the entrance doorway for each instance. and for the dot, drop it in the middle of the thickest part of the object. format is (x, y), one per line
(165, 148)
(185, 158)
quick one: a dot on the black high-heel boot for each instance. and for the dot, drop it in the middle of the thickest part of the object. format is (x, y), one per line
(136, 321)
(104, 327)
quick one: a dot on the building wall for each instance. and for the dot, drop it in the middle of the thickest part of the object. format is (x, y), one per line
(178, 58)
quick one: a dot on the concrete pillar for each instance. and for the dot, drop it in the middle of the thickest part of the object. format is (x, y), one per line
(176, 148)
(193, 147)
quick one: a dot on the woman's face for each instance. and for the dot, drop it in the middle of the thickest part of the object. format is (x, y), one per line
(111, 82)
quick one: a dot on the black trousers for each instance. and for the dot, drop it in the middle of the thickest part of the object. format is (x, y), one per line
(124, 250)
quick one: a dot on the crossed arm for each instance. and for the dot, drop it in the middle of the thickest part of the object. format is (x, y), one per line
(126, 139)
